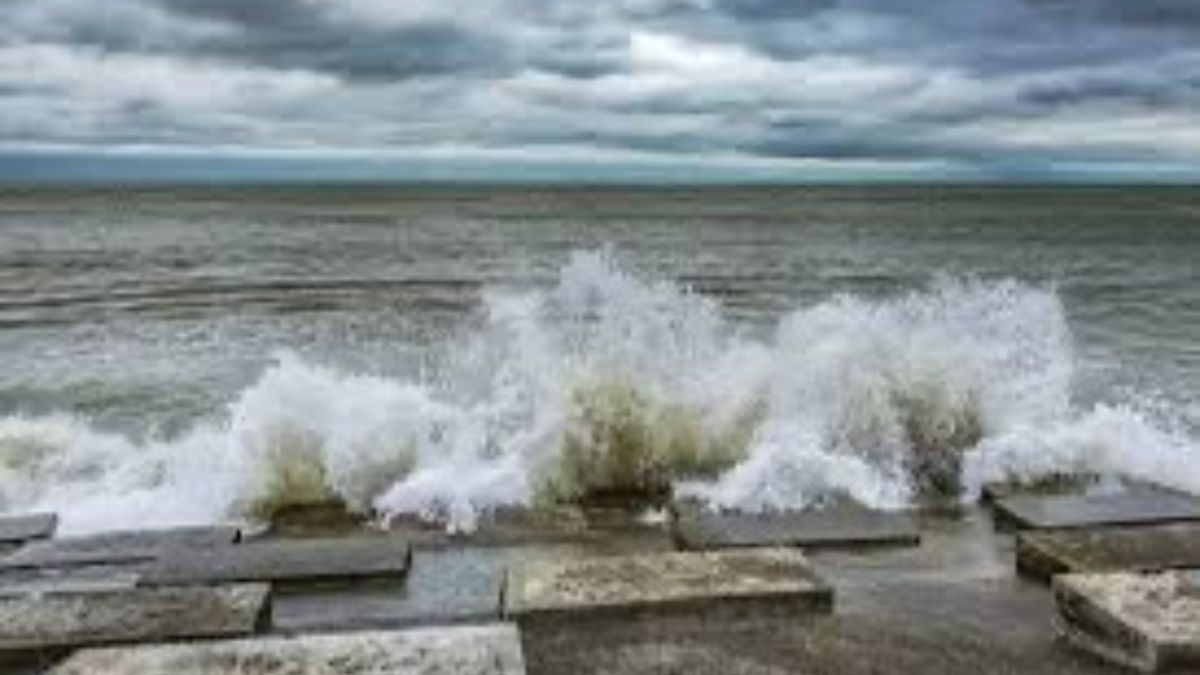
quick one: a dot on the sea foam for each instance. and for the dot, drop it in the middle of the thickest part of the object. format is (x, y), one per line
(608, 381)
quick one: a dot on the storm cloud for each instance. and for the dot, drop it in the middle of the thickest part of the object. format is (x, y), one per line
(972, 82)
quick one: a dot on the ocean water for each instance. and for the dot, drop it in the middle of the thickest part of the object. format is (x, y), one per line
(185, 356)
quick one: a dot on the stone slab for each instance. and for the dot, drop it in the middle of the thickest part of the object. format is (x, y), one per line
(17, 529)
(1027, 512)
(444, 586)
(37, 582)
(699, 529)
(118, 547)
(465, 650)
(1146, 548)
(297, 561)
(1147, 622)
(72, 619)
(664, 591)
(934, 626)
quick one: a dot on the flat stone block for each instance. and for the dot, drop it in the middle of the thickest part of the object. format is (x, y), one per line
(704, 529)
(282, 561)
(1148, 548)
(474, 650)
(57, 581)
(17, 529)
(118, 547)
(665, 591)
(1148, 622)
(443, 586)
(55, 620)
(1028, 512)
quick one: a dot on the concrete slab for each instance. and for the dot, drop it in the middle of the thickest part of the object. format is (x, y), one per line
(664, 591)
(473, 650)
(117, 547)
(443, 587)
(993, 627)
(17, 529)
(42, 622)
(81, 580)
(459, 579)
(698, 529)
(1063, 484)
(297, 561)
(1073, 511)
(1148, 622)
(1147, 548)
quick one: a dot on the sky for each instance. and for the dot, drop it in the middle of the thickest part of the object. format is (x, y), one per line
(638, 90)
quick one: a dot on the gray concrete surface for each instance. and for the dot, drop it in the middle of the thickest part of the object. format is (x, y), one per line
(280, 561)
(1076, 511)
(99, 616)
(699, 529)
(117, 547)
(1150, 622)
(1144, 548)
(476, 650)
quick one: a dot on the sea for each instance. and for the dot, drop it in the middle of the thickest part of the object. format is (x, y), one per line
(192, 355)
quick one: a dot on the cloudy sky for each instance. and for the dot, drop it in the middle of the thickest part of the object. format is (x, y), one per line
(603, 88)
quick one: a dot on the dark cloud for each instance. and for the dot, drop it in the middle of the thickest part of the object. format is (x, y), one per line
(299, 35)
(829, 79)
(282, 34)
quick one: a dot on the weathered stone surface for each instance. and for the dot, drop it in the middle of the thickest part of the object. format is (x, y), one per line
(118, 547)
(1148, 622)
(40, 622)
(1060, 512)
(704, 529)
(281, 561)
(474, 650)
(56, 581)
(664, 591)
(1147, 548)
(16, 529)
(444, 586)
(933, 626)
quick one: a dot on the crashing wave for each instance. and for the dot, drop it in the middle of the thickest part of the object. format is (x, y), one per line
(609, 383)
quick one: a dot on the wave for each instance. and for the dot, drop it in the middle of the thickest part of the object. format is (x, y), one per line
(611, 382)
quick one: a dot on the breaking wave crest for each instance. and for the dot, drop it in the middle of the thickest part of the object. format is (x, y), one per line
(609, 382)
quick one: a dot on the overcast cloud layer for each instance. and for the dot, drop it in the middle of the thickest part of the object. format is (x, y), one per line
(865, 83)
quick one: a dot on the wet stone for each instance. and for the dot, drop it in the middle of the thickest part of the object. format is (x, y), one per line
(1147, 548)
(118, 547)
(297, 561)
(443, 586)
(1150, 622)
(704, 529)
(1055, 485)
(1059, 512)
(317, 519)
(101, 616)
(18, 529)
(466, 650)
(664, 593)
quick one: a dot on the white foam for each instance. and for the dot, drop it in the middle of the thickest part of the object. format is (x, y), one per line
(607, 380)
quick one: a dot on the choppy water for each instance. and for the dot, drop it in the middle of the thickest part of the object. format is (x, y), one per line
(175, 356)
